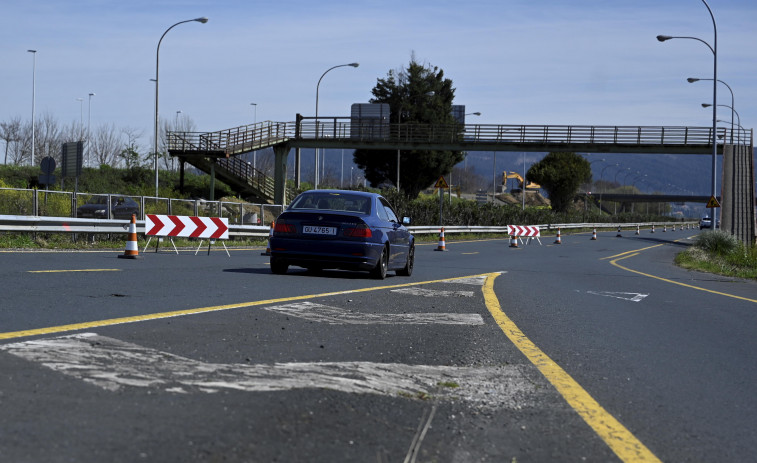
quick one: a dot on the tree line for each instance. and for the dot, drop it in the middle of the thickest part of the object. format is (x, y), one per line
(104, 144)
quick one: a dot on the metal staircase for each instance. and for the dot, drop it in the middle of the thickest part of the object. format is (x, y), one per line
(217, 152)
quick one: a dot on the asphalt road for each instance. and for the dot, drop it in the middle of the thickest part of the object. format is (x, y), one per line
(591, 350)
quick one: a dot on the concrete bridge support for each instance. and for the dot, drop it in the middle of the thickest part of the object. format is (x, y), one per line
(737, 206)
(280, 172)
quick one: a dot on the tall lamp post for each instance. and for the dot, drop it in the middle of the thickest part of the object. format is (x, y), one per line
(81, 116)
(733, 111)
(89, 122)
(691, 80)
(714, 50)
(34, 91)
(157, 68)
(317, 90)
(254, 121)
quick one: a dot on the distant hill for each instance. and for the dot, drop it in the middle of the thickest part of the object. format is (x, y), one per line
(665, 173)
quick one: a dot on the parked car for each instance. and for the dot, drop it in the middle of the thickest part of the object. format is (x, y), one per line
(121, 207)
(705, 222)
(349, 230)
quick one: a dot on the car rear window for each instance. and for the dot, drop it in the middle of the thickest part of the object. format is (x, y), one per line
(332, 202)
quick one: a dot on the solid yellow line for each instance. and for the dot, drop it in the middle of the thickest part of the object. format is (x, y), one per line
(79, 270)
(179, 313)
(635, 250)
(615, 263)
(625, 445)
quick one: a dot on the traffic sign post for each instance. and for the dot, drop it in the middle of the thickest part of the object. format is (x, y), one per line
(712, 203)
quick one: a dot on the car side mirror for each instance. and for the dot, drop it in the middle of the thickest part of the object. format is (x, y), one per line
(406, 221)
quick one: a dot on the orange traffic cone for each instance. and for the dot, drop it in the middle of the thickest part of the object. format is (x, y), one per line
(132, 250)
(442, 246)
(270, 235)
(594, 234)
(558, 240)
(513, 241)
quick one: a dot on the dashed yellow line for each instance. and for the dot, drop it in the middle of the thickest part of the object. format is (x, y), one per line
(625, 445)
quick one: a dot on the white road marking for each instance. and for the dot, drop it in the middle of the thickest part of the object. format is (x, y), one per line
(340, 316)
(115, 365)
(633, 297)
(475, 281)
(432, 292)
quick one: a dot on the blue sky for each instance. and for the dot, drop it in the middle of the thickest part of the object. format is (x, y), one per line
(517, 62)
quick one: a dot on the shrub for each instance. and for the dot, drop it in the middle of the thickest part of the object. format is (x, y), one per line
(717, 242)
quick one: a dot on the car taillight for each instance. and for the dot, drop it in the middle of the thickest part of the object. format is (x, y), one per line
(360, 231)
(283, 227)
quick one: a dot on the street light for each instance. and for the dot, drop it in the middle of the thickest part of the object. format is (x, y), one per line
(81, 116)
(34, 87)
(733, 111)
(714, 50)
(742, 130)
(89, 121)
(254, 121)
(157, 68)
(317, 90)
(691, 80)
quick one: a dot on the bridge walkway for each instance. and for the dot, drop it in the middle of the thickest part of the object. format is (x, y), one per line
(217, 150)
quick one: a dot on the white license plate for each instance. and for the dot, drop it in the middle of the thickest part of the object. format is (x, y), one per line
(313, 230)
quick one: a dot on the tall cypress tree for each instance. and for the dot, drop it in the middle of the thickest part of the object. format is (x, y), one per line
(418, 95)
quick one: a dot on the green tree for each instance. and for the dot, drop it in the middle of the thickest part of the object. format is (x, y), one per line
(560, 174)
(418, 96)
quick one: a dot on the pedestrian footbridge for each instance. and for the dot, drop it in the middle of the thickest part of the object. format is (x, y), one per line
(217, 152)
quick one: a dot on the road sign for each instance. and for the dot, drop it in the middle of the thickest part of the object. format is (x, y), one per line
(441, 183)
(191, 227)
(72, 154)
(47, 165)
(531, 231)
(713, 202)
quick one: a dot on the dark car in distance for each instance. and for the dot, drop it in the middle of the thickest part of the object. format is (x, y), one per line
(340, 229)
(121, 207)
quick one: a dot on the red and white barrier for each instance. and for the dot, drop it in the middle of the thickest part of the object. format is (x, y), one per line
(205, 228)
(188, 227)
(528, 231)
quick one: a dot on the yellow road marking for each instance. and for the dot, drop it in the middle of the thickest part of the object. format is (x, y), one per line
(719, 293)
(179, 313)
(77, 270)
(635, 250)
(625, 445)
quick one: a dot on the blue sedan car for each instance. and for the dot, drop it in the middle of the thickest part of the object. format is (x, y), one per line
(338, 229)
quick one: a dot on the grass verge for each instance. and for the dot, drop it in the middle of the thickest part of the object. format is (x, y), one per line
(720, 253)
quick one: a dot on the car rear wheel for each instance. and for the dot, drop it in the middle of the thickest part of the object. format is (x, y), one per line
(278, 267)
(408, 269)
(379, 272)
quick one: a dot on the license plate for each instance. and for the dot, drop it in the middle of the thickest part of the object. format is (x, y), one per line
(314, 230)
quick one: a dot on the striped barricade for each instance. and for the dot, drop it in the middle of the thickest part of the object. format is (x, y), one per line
(210, 228)
(528, 231)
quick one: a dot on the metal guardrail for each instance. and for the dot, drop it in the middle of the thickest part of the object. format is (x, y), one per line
(33, 202)
(32, 224)
(419, 230)
(16, 223)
